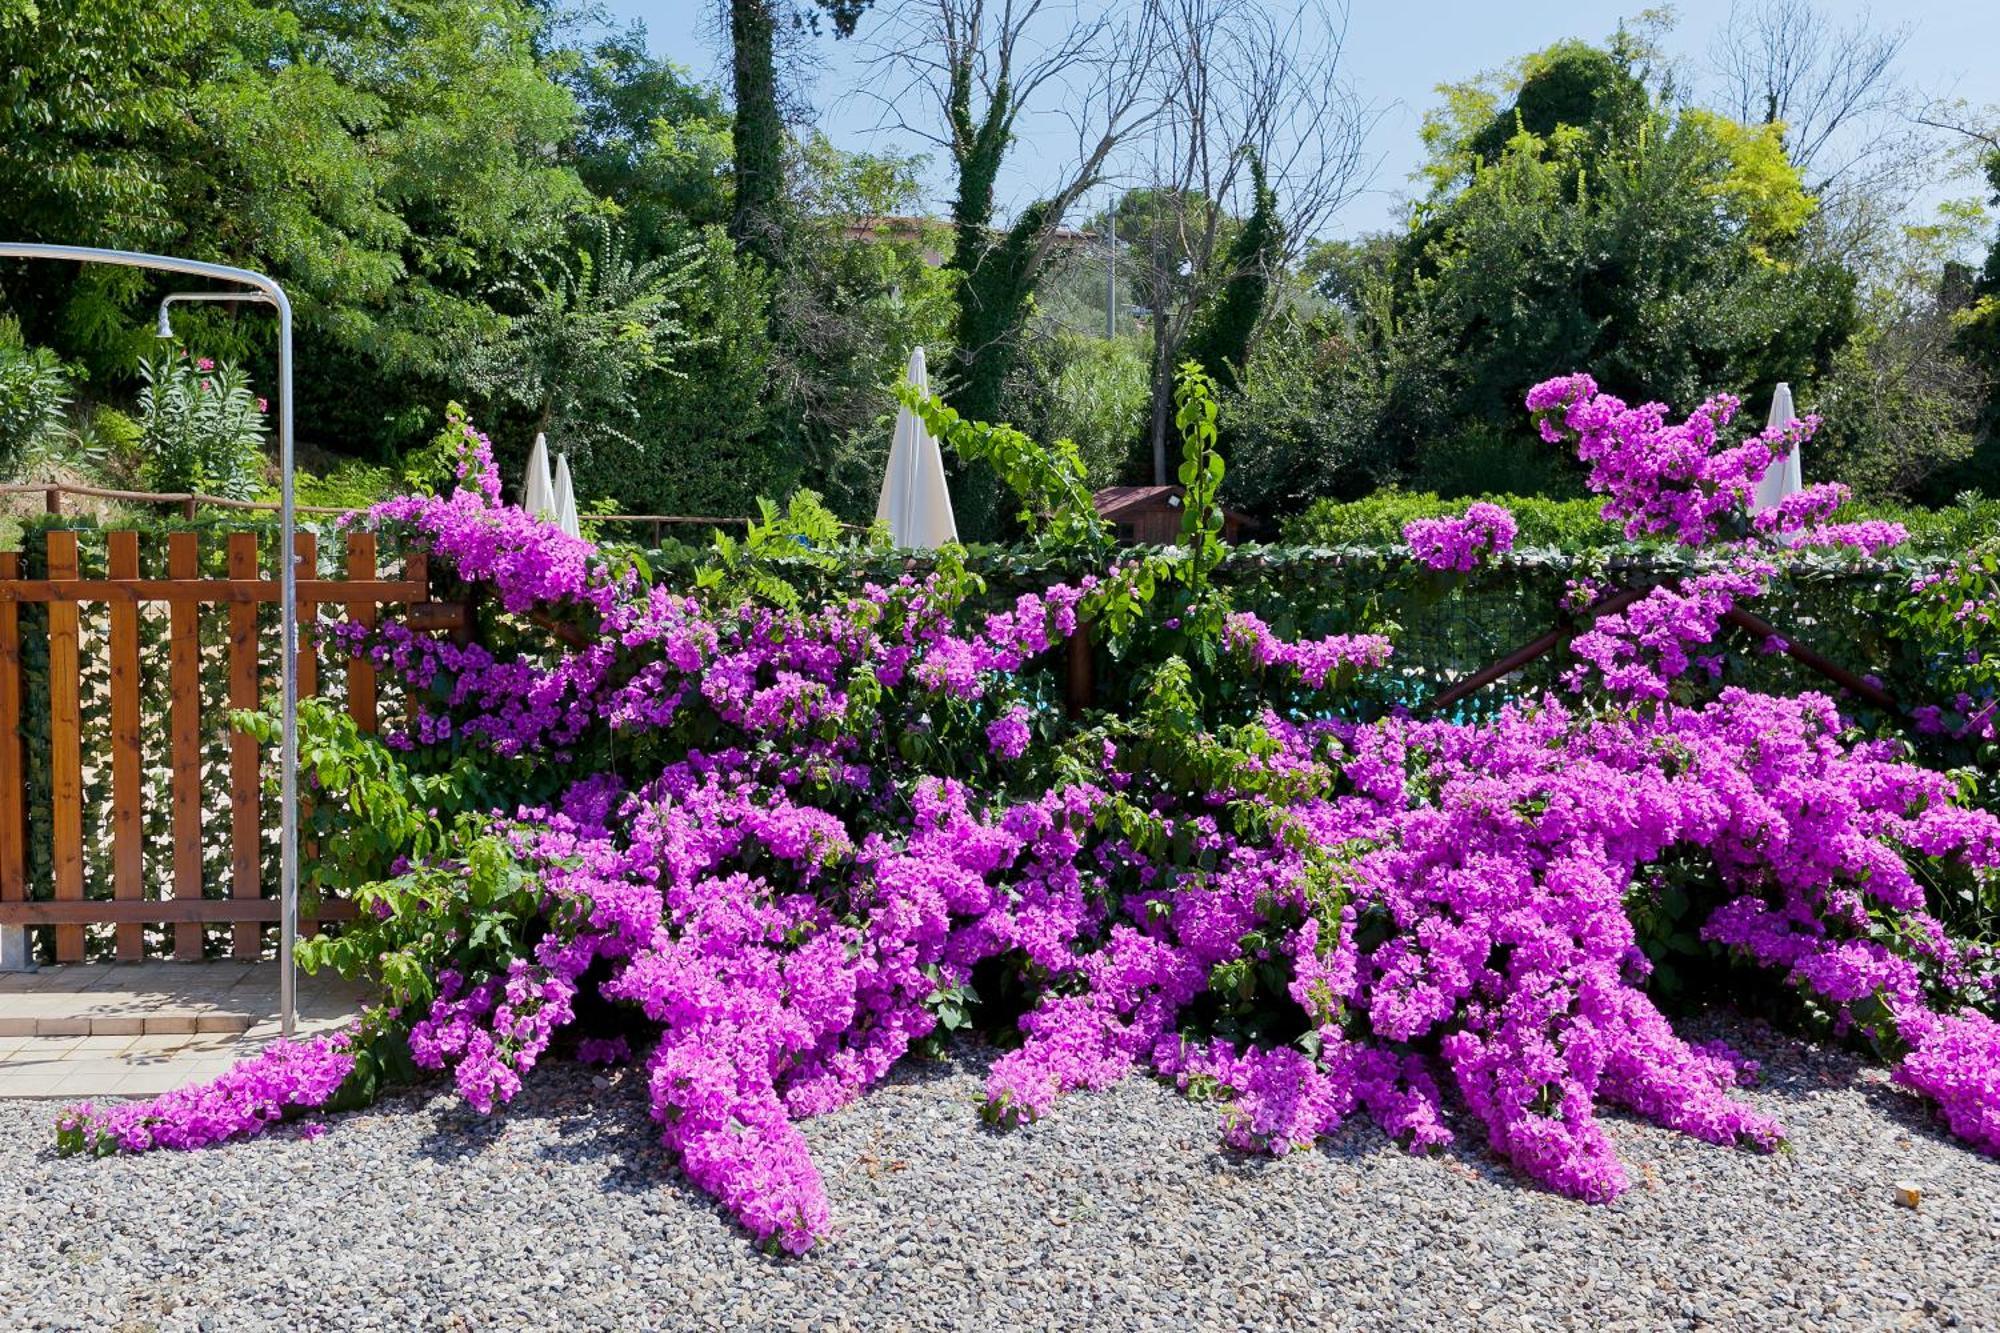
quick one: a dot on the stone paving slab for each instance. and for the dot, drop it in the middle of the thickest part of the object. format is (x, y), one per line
(140, 1029)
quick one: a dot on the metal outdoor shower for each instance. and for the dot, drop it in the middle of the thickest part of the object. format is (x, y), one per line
(259, 289)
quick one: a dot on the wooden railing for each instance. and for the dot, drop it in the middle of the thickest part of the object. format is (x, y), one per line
(85, 736)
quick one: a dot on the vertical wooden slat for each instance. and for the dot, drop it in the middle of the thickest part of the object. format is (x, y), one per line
(360, 670)
(13, 815)
(65, 745)
(308, 548)
(245, 783)
(308, 568)
(127, 834)
(184, 687)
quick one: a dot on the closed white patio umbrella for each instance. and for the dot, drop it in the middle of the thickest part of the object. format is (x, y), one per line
(538, 491)
(915, 502)
(1786, 476)
(565, 498)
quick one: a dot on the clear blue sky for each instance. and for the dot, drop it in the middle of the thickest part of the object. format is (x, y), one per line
(1397, 52)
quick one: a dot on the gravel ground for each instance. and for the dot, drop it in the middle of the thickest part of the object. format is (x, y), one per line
(1117, 1212)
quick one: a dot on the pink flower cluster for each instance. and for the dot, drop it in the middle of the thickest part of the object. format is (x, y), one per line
(783, 884)
(1461, 543)
(1658, 477)
(1317, 661)
(285, 1078)
(1639, 652)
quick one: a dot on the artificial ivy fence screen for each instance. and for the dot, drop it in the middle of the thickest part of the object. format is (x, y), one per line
(1446, 624)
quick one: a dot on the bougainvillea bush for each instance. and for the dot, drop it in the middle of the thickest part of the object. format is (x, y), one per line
(765, 846)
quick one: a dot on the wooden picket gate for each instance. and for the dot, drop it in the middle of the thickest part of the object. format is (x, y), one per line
(125, 595)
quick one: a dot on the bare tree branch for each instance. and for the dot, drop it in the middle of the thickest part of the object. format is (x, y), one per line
(1832, 87)
(1242, 79)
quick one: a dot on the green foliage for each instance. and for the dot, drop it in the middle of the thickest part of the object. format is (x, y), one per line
(350, 484)
(1378, 520)
(994, 298)
(805, 534)
(200, 430)
(1574, 525)
(1201, 473)
(432, 883)
(591, 326)
(650, 140)
(1092, 391)
(1304, 422)
(1978, 340)
(1573, 224)
(1050, 482)
(1894, 417)
(705, 439)
(1638, 262)
(91, 100)
(758, 159)
(1571, 85)
(433, 469)
(34, 391)
(382, 159)
(1250, 264)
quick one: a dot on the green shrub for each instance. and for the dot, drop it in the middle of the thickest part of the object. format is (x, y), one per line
(350, 485)
(201, 429)
(1379, 519)
(1574, 525)
(1094, 392)
(1481, 459)
(34, 390)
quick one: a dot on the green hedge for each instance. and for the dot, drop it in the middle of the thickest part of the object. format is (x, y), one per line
(1574, 525)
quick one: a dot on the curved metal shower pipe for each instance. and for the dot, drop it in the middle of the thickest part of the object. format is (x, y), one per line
(264, 289)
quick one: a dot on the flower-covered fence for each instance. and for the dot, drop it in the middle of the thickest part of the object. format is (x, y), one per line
(127, 798)
(1835, 612)
(769, 836)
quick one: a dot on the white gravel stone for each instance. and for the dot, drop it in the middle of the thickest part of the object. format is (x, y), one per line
(1119, 1211)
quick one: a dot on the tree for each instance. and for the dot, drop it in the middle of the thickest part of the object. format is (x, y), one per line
(758, 163)
(650, 139)
(1253, 117)
(1220, 340)
(1979, 342)
(1784, 62)
(1662, 257)
(1903, 396)
(591, 326)
(382, 158)
(90, 115)
(980, 65)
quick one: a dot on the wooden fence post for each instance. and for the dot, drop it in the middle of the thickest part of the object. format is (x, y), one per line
(1081, 686)
(246, 786)
(127, 834)
(65, 743)
(361, 670)
(184, 684)
(13, 809)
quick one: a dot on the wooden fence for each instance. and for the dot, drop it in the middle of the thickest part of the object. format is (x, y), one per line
(252, 655)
